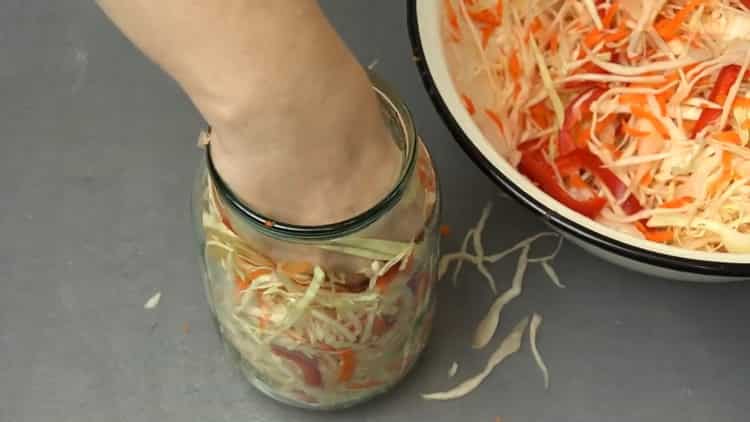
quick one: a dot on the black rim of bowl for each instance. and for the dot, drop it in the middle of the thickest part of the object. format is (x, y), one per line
(634, 253)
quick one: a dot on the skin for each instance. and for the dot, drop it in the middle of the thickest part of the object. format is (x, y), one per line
(297, 131)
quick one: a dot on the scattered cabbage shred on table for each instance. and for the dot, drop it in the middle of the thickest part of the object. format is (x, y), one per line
(635, 113)
(486, 329)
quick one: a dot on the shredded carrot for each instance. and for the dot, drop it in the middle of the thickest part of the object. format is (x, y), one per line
(642, 113)
(495, 119)
(630, 130)
(678, 202)
(606, 122)
(664, 98)
(669, 28)
(486, 17)
(646, 179)
(535, 26)
(746, 124)
(452, 16)
(499, 10)
(616, 153)
(554, 42)
(514, 66)
(743, 102)
(576, 181)
(641, 227)
(582, 138)
(609, 17)
(632, 99)
(445, 230)
(726, 161)
(516, 91)
(661, 236)
(675, 75)
(487, 32)
(241, 284)
(727, 173)
(729, 137)
(452, 20)
(468, 104)
(593, 38)
(619, 35)
(347, 365)
(541, 114)
(658, 235)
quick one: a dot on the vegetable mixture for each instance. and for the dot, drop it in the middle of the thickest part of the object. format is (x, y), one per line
(635, 113)
(320, 337)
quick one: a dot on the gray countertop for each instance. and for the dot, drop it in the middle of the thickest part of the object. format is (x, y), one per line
(97, 155)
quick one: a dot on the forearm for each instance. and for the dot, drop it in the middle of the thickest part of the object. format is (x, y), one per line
(223, 52)
(294, 118)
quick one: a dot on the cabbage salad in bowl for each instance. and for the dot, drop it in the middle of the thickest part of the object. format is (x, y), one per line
(634, 113)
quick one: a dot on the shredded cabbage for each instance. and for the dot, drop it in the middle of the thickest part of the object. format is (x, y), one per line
(509, 345)
(299, 306)
(486, 328)
(536, 321)
(376, 249)
(153, 301)
(552, 274)
(557, 104)
(453, 370)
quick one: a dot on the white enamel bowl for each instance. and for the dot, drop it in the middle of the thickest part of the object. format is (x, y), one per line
(637, 254)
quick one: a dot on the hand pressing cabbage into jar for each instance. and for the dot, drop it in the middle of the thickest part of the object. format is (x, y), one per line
(316, 206)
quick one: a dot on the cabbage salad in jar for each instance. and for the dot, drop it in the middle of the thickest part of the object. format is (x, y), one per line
(325, 317)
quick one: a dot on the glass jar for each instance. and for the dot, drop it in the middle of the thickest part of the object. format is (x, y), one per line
(328, 316)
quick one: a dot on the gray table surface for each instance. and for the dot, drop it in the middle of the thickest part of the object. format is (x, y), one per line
(96, 160)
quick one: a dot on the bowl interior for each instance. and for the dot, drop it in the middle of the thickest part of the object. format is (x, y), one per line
(425, 22)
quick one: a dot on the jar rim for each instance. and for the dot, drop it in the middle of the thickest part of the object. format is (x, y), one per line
(392, 105)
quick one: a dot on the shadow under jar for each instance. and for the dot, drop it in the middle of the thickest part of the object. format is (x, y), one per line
(325, 317)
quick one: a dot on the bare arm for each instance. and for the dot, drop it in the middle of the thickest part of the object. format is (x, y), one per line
(294, 119)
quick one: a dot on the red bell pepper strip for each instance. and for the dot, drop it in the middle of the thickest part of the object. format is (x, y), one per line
(534, 166)
(308, 366)
(347, 365)
(746, 3)
(574, 113)
(583, 159)
(727, 77)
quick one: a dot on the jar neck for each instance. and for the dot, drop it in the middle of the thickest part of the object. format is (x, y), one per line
(397, 119)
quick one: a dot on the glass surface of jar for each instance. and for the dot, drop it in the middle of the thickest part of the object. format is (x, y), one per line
(328, 316)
